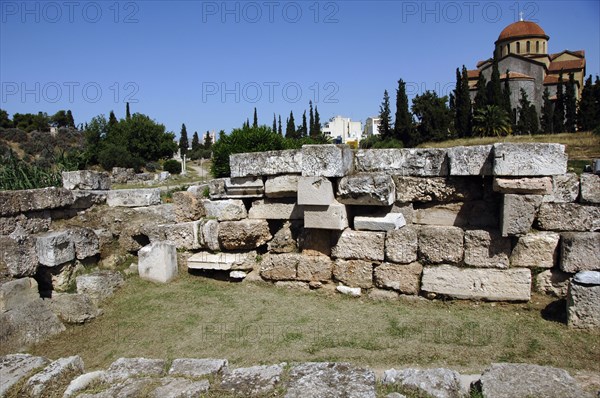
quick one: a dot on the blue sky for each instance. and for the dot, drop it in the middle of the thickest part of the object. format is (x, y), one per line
(209, 63)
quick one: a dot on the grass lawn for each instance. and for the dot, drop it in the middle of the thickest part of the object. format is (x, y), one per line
(254, 323)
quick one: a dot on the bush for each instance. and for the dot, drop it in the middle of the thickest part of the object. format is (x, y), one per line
(116, 156)
(376, 142)
(172, 166)
(152, 166)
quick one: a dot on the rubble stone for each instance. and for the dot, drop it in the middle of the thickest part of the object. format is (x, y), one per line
(244, 234)
(371, 189)
(404, 278)
(437, 189)
(590, 188)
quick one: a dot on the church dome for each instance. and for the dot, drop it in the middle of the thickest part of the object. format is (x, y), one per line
(522, 29)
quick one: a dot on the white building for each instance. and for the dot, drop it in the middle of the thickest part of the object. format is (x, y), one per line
(343, 130)
(371, 127)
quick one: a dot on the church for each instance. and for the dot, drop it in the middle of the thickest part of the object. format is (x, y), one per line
(522, 50)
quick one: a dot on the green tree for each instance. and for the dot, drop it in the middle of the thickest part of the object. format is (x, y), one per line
(60, 119)
(385, 119)
(494, 87)
(70, 120)
(559, 106)
(304, 128)
(311, 120)
(570, 105)
(195, 142)
(290, 129)
(403, 124)
(588, 116)
(207, 141)
(506, 96)
(434, 117)
(480, 100)
(528, 118)
(112, 120)
(94, 135)
(279, 128)
(547, 119)
(127, 112)
(5, 121)
(462, 99)
(317, 127)
(183, 140)
(255, 121)
(274, 123)
(491, 121)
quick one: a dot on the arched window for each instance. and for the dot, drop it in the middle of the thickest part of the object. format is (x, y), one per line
(528, 47)
(508, 48)
(518, 47)
(537, 47)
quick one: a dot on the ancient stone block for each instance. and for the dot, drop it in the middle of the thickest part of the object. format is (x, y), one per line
(590, 188)
(268, 209)
(486, 249)
(314, 268)
(315, 242)
(157, 262)
(565, 189)
(73, 308)
(15, 368)
(244, 234)
(100, 284)
(221, 261)
(326, 379)
(327, 160)
(531, 159)
(387, 222)
(14, 202)
(236, 188)
(14, 294)
(407, 210)
(404, 278)
(279, 267)
(268, 163)
(513, 284)
(475, 214)
(30, 223)
(426, 162)
(553, 282)
(518, 213)
(126, 368)
(86, 242)
(583, 311)
(568, 217)
(536, 250)
(285, 186)
(285, 240)
(437, 189)
(54, 377)
(252, 381)
(185, 235)
(524, 185)
(86, 199)
(332, 217)
(437, 382)
(471, 160)
(354, 273)
(225, 210)
(196, 368)
(317, 191)
(401, 245)
(440, 244)
(209, 238)
(188, 206)
(133, 197)
(349, 291)
(374, 189)
(580, 251)
(86, 179)
(18, 254)
(360, 245)
(54, 248)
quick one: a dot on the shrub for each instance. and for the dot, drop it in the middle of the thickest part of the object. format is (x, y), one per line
(116, 156)
(152, 166)
(172, 166)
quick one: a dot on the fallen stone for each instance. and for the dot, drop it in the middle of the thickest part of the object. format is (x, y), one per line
(401, 245)
(437, 189)
(15, 202)
(354, 273)
(387, 222)
(486, 249)
(54, 248)
(209, 238)
(565, 189)
(349, 291)
(126, 368)
(475, 214)
(188, 206)
(406, 162)
(30, 223)
(196, 368)
(86, 179)
(524, 186)
(243, 235)
(314, 268)
(184, 235)
(553, 282)
(440, 244)
(14, 294)
(14, 368)
(270, 163)
(583, 311)
(531, 159)
(285, 186)
(591, 278)
(277, 267)
(315, 191)
(327, 160)
(590, 188)
(171, 387)
(158, 262)
(333, 217)
(329, 379)
(536, 250)
(238, 275)
(99, 285)
(580, 251)
(404, 278)
(225, 210)
(133, 197)
(513, 284)
(512, 380)
(73, 308)
(220, 261)
(285, 240)
(82, 382)
(518, 213)
(271, 210)
(369, 189)
(568, 217)
(383, 295)
(86, 242)
(471, 160)
(438, 383)
(360, 245)
(252, 381)
(54, 377)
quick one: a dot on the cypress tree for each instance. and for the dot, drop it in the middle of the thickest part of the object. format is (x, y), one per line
(528, 119)
(311, 120)
(570, 105)
(385, 119)
(403, 122)
(317, 128)
(468, 107)
(304, 127)
(462, 104)
(506, 95)
(290, 130)
(183, 140)
(70, 120)
(481, 96)
(547, 113)
(127, 113)
(207, 140)
(255, 122)
(112, 120)
(494, 87)
(195, 141)
(279, 130)
(274, 123)
(588, 116)
(559, 106)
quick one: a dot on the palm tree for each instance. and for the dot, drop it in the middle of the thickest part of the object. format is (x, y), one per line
(492, 120)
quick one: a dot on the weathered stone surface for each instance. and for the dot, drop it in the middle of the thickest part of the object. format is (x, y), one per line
(316, 242)
(293, 285)
(243, 235)
(14, 368)
(374, 189)
(135, 387)
(85, 179)
(268, 163)
(15, 293)
(387, 222)
(404, 278)
(100, 284)
(194, 368)
(315, 191)
(406, 209)
(513, 284)
(518, 213)
(329, 379)
(437, 189)
(285, 186)
(86, 242)
(82, 382)
(471, 160)
(327, 160)
(54, 377)
(524, 185)
(565, 189)
(225, 210)
(531, 159)
(236, 188)
(475, 214)
(30, 323)
(314, 268)
(120, 175)
(332, 217)
(569, 217)
(383, 295)
(360, 245)
(285, 240)
(255, 380)
(177, 387)
(349, 291)
(133, 197)
(238, 274)
(185, 235)
(158, 262)
(86, 199)
(188, 206)
(54, 248)
(438, 383)
(486, 249)
(427, 162)
(536, 250)
(14, 202)
(590, 188)
(271, 210)
(221, 261)
(30, 223)
(125, 368)
(354, 273)
(440, 244)
(401, 245)
(209, 238)
(279, 267)
(60, 278)
(512, 380)
(553, 282)
(590, 278)
(73, 308)
(580, 251)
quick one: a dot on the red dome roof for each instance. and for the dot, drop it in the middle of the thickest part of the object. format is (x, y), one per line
(522, 29)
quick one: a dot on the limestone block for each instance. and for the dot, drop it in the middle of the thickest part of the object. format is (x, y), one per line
(565, 189)
(133, 197)
(157, 262)
(536, 250)
(225, 210)
(221, 261)
(583, 311)
(268, 163)
(126, 368)
(524, 185)
(15, 368)
(475, 214)
(531, 159)
(73, 308)
(513, 284)
(244, 187)
(426, 162)
(401, 245)
(518, 213)
(407, 210)
(590, 188)
(437, 189)
(332, 217)
(100, 284)
(580, 251)
(471, 160)
(387, 222)
(86, 242)
(185, 235)
(284, 186)
(327, 379)
(569, 217)
(440, 244)
(327, 160)
(196, 368)
(86, 179)
(286, 239)
(54, 248)
(360, 245)
(54, 377)
(268, 209)
(209, 238)
(15, 293)
(84, 199)
(349, 291)
(354, 273)
(14, 202)
(314, 268)
(18, 254)
(553, 282)
(315, 191)
(244, 234)
(188, 206)
(486, 249)
(404, 278)
(438, 382)
(316, 242)
(252, 381)
(374, 189)
(30, 223)
(278, 267)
